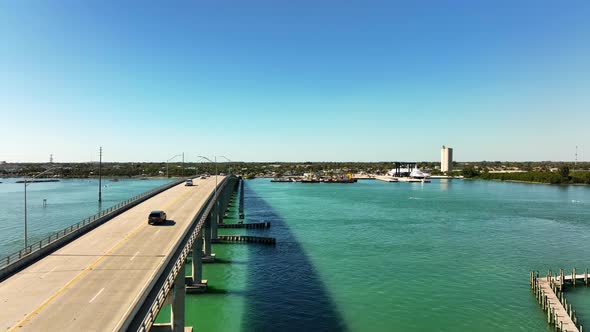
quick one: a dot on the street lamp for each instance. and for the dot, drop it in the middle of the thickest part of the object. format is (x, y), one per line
(27, 184)
(215, 162)
(200, 158)
(224, 157)
(178, 155)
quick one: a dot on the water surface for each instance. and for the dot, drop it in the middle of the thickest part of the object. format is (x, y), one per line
(68, 202)
(372, 256)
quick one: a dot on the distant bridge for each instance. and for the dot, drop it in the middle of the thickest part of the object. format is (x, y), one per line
(115, 272)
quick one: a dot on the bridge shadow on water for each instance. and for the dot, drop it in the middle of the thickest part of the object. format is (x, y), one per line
(284, 291)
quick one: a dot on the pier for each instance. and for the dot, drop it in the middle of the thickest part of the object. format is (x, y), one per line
(385, 178)
(550, 294)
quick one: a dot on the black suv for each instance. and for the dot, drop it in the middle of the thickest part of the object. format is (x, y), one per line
(156, 217)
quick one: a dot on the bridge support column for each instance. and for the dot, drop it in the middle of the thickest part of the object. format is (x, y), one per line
(241, 203)
(177, 312)
(176, 300)
(195, 282)
(209, 257)
(215, 220)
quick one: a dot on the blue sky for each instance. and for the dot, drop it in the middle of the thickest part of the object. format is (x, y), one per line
(294, 80)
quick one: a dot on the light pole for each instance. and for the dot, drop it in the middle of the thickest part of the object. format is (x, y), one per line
(215, 162)
(178, 155)
(200, 158)
(100, 175)
(26, 184)
(224, 157)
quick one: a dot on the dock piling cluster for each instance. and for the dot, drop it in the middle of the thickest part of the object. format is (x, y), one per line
(246, 239)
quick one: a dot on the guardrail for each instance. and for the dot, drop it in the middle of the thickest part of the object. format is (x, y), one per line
(151, 301)
(89, 223)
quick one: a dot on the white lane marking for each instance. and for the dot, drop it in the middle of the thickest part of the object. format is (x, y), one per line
(95, 296)
(132, 258)
(43, 276)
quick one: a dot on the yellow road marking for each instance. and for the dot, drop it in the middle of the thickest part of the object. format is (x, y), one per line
(88, 268)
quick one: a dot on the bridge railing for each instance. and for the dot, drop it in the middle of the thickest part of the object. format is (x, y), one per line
(114, 210)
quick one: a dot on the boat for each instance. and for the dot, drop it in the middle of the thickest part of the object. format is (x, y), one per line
(310, 181)
(406, 174)
(343, 179)
(281, 180)
(418, 174)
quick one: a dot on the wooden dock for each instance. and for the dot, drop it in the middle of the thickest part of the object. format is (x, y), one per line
(549, 291)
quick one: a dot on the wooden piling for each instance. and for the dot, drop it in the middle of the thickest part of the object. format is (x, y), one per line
(575, 318)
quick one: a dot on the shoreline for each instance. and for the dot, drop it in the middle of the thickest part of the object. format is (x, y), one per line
(531, 182)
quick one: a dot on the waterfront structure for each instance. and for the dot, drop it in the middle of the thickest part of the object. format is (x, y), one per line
(446, 159)
(550, 294)
(402, 169)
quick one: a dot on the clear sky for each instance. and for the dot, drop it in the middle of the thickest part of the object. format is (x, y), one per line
(294, 80)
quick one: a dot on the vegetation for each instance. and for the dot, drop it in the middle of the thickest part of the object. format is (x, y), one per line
(470, 172)
(561, 177)
(542, 172)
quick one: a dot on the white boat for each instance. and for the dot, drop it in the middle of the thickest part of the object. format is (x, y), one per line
(415, 173)
(418, 174)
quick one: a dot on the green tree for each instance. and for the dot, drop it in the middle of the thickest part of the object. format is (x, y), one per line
(470, 172)
(564, 171)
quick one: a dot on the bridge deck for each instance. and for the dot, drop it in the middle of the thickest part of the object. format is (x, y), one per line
(94, 282)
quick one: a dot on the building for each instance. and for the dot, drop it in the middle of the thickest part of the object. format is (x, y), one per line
(446, 159)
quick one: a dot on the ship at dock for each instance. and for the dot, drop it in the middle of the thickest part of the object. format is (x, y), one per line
(407, 172)
(314, 178)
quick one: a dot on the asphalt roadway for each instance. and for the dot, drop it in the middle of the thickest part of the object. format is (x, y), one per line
(93, 283)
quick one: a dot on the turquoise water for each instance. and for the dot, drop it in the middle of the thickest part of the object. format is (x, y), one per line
(374, 256)
(68, 202)
(371, 256)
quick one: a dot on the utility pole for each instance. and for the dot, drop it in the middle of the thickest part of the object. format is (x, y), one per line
(51, 159)
(183, 164)
(100, 175)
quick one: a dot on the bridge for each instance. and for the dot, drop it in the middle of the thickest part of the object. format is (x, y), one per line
(114, 271)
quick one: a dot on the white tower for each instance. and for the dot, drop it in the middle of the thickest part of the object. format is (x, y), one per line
(446, 159)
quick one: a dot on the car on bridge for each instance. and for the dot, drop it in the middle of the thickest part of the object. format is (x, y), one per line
(188, 183)
(157, 217)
